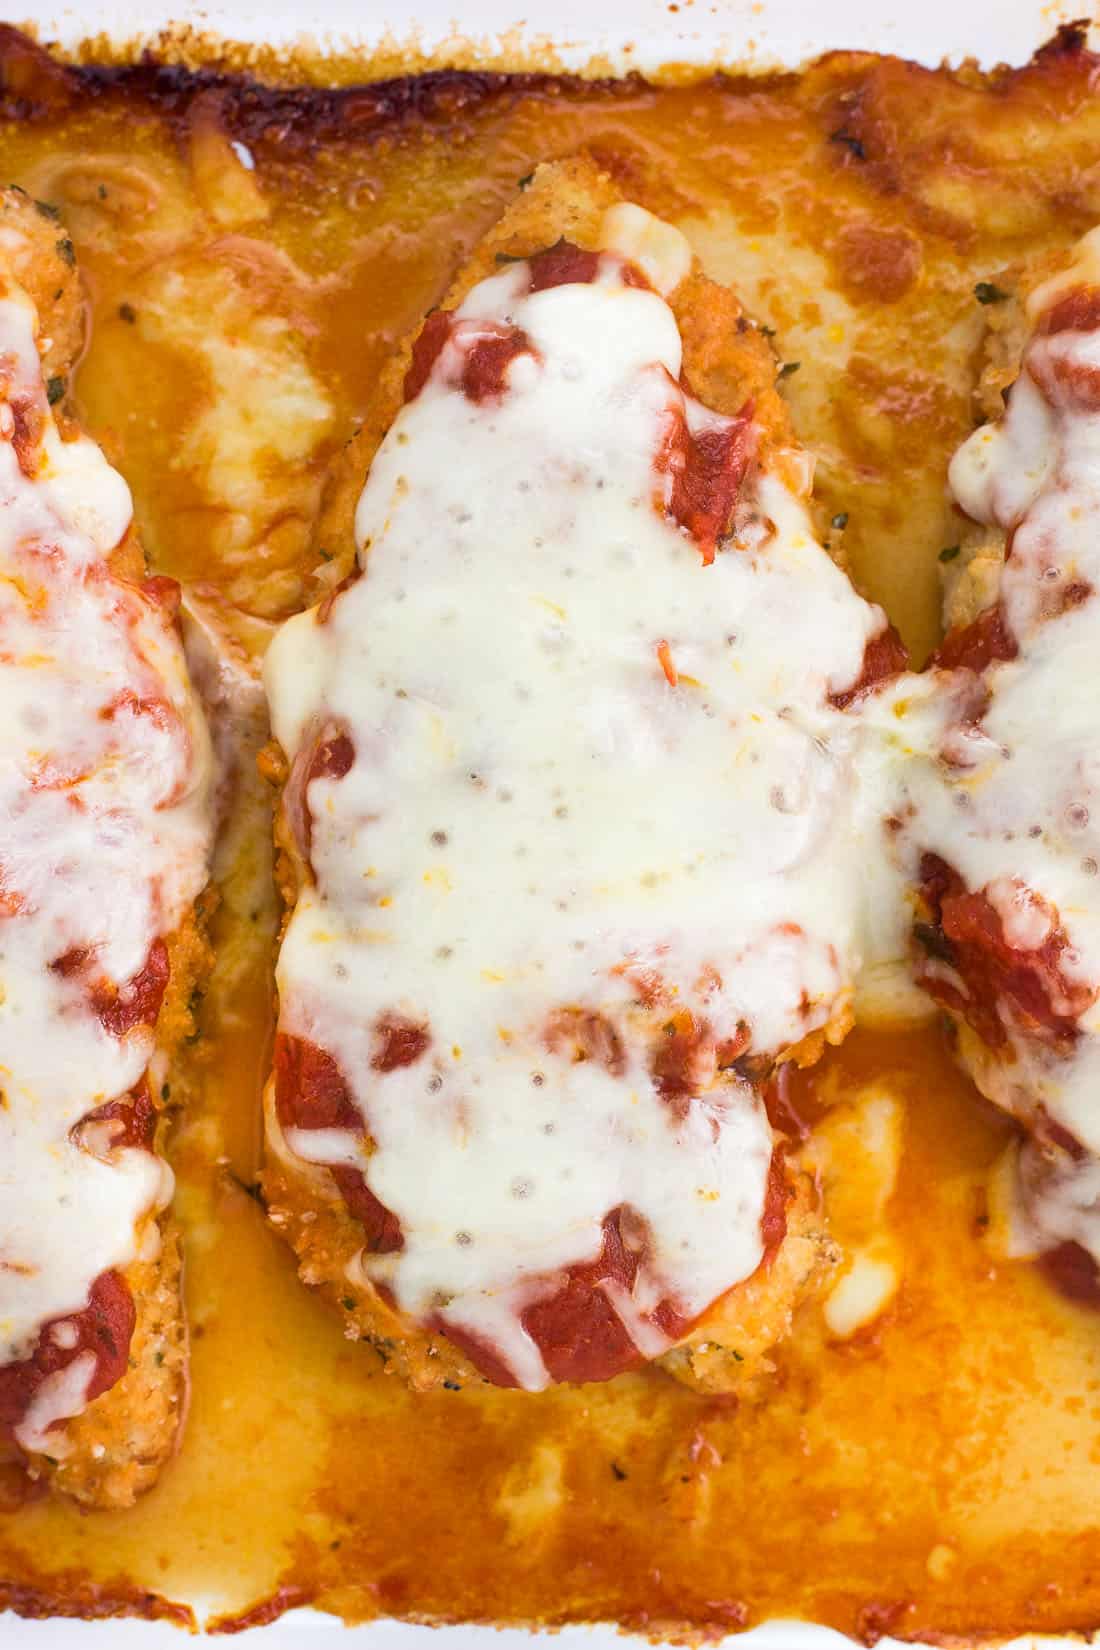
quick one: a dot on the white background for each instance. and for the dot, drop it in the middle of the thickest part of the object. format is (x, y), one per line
(640, 34)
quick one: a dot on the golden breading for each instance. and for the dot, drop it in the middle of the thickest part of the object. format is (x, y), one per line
(113, 1450)
(37, 251)
(123, 1439)
(731, 1344)
(728, 362)
(971, 579)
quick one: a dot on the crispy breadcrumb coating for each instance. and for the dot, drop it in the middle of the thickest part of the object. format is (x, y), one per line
(114, 1450)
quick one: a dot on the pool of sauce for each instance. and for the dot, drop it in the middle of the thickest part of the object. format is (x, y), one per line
(937, 1473)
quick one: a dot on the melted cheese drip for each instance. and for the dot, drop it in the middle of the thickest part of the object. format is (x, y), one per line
(103, 846)
(1017, 806)
(534, 815)
(855, 1153)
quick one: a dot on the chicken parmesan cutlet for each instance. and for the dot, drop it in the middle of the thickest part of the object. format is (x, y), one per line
(104, 792)
(571, 826)
(998, 824)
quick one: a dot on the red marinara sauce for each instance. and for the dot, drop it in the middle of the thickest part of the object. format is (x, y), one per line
(104, 1328)
(572, 1320)
(1004, 984)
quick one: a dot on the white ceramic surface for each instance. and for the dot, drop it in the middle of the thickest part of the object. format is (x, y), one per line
(625, 34)
(640, 34)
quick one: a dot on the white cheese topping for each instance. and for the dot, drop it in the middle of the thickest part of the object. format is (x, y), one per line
(861, 1295)
(1008, 792)
(537, 820)
(854, 1154)
(59, 1397)
(104, 832)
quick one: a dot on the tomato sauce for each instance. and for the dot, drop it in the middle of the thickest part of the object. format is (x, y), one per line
(484, 350)
(330, 757)
(967, 932)
(103, 1328)
(133, 1121)
(884, 656)
(979, 644)
(311, 1093)
(707, 469)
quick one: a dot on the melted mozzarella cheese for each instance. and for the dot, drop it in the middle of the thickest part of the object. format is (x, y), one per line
(855, 1154)
(1011, 797)
(104, 775)
(535, 818)
(861, 1295)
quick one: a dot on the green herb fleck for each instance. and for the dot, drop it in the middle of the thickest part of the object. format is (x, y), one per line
(127, 312)
(48, 211)
(766, 332)
(166, 1091)
(987, 293)
(102, 191)
(508, 258)
(526, 181)
(348, 1304)
(841, 521)
(618, 1471)
(737, 1355)
(67, 252)
(788, 368)
(949, 553)
(158, 1358)
(55, 389)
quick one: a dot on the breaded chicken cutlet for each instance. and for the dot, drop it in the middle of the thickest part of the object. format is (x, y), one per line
(567, 864)
(104, 787)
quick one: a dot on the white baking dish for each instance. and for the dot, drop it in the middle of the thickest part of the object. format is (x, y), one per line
(638, 34)
(619, 35)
